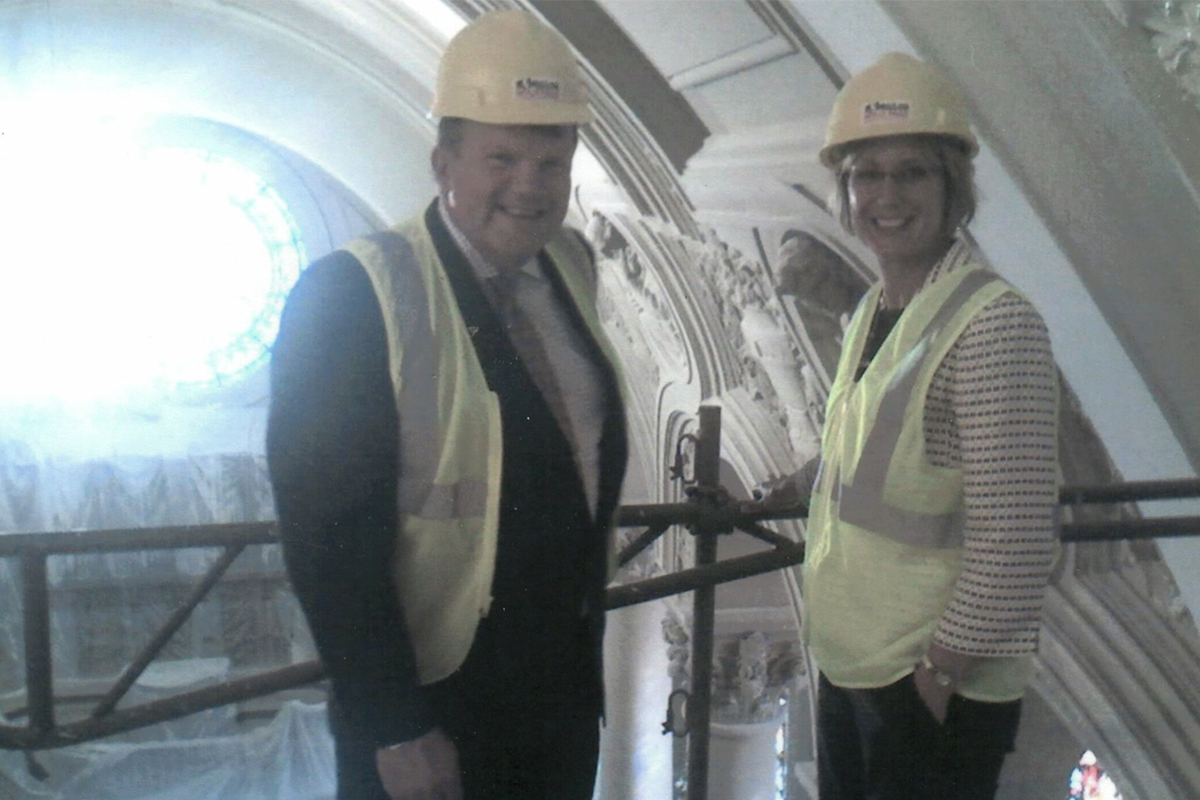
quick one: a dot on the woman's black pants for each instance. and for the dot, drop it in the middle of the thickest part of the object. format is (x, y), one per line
(884, 744)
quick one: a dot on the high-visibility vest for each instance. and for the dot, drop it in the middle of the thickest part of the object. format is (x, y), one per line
(884, 534)
(451, 446)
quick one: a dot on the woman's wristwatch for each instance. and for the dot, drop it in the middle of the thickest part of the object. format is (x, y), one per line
(941, 678)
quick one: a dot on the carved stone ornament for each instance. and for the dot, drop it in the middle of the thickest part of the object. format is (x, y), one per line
(751, 674)
(635, 303)
(676, 633)
(1175, 34)
(751, 671)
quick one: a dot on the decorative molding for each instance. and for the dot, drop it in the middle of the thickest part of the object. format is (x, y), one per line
(1114, 612)
(752, 670)
(753, 172)
(652, 110)
(643, 311)
(777, 622)
(751, 674)
(676, 629)
(386, 43)
(1175, 35)
(755, 55)
(784, 23)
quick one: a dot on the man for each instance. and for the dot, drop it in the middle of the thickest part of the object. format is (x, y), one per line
(447, 445)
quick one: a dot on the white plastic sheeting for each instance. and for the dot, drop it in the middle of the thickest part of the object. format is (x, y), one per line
(104, 608)
(289, 759)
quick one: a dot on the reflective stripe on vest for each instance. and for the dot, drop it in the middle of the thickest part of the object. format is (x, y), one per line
(862, 502)
(450, 450)
(388, 256)
(451, 444)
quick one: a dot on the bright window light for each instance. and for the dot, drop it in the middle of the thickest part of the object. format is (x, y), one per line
(1090, 781)
(130, 268)
(444, 19)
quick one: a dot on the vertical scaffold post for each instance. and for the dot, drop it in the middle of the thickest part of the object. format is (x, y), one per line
(39, 681)
(707, 473)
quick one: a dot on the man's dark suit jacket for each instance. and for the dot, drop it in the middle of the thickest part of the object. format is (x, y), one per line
(332, 451)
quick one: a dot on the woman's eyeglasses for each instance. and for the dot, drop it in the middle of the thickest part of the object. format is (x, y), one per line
(868, 178)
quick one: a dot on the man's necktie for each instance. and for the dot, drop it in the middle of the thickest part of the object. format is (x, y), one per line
(509, 290)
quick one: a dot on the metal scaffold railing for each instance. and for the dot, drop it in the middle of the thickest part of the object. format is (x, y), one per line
(33, 550)
(707, 513)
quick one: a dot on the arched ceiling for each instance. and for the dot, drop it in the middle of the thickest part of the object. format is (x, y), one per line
(1089, 169)
(710, 114)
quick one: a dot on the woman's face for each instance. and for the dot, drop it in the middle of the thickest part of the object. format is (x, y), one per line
(897, 192)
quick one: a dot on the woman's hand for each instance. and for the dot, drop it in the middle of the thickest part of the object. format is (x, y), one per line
(789, 491)
(938, 676)
(934, 693)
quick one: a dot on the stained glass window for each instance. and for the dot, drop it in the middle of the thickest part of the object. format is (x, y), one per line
(1090, 781)
(149, 268)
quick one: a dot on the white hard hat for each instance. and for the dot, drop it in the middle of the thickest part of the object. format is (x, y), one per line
(897, 96)
(508, 68)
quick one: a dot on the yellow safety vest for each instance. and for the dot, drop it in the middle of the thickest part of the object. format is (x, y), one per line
(884, 536)
(451, 446)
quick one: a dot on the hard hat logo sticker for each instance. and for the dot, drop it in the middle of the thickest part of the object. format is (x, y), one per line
(535, 89)
(885, 111)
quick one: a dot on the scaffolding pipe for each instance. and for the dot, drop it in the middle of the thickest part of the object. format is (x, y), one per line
(156, 711)
(688, 580)
(1132, 492)
(179, 537)
(643, 540)
(723, 517)
(160, 638)
(708, 512)
(650, 515)
(704, 606)
(1112, 530)
(39, 673)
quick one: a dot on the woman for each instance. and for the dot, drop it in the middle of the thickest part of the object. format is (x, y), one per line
(931, 532)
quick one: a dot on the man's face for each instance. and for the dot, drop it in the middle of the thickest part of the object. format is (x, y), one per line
(507, 187)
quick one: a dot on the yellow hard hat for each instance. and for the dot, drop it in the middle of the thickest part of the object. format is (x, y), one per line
(897, 96)
(508, 68)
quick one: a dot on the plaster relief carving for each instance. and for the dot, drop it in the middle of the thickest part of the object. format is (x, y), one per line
(752, 670)
(1175, 36)
(752, 322)
(826, 290)
(698, 311)
(1138, 564)
(735, 281)
(820, 290)
(676, 628)
(800, 401)
(751, 674)
(636, 301)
